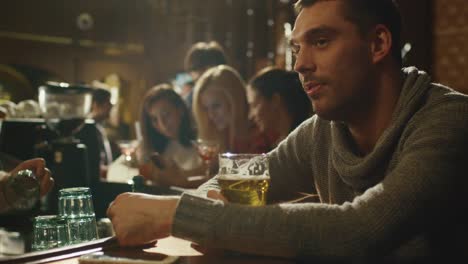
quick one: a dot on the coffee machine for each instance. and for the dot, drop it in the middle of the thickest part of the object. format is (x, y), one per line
(62, 136)
(64, 108)
(68, 142)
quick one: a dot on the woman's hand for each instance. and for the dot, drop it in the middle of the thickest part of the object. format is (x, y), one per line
(141, 218)
(165, 172)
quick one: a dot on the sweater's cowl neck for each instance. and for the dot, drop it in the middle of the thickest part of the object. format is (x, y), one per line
(363, 172)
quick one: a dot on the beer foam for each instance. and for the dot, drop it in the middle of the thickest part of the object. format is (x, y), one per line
(236, 177)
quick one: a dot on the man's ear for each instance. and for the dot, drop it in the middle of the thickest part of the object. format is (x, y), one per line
(381, 43)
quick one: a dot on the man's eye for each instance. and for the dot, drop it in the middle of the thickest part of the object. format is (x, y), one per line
(321, 43)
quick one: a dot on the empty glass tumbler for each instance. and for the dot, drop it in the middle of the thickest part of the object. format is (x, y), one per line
(76, 205)
(50, 231)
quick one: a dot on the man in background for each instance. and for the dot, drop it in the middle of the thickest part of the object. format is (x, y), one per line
(100, 111)
(200, 57)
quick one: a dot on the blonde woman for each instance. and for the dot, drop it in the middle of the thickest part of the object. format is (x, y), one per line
(220, 110)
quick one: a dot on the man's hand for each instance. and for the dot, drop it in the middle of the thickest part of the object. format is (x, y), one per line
(141, 218)
(37, 166)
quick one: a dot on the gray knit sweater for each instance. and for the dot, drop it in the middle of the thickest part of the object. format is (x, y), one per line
(405, 198)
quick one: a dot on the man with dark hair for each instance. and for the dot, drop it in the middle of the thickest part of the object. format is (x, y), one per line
(365, 14)
(203, 55)
(385, 153)
(200, 57)
(101, 105)
(100, 111)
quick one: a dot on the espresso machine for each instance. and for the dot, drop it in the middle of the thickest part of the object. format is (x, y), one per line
(68, 142)
(62, 136)
(64, 108)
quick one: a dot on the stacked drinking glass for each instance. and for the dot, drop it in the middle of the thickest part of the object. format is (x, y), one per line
(76, 206)
(50, 231)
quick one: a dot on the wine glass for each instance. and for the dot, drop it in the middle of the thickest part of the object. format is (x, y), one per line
(208, 151)
(128, 148)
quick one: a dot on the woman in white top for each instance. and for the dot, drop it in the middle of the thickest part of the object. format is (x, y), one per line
(166, 154)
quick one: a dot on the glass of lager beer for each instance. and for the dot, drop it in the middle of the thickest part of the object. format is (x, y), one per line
(244, 178)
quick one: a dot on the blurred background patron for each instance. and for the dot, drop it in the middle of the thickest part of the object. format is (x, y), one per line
(200, 57)
(278, 103)
(100, 111)
(221, 111)
(166, 152)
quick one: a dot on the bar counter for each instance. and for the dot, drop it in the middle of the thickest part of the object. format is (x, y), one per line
(166, 250)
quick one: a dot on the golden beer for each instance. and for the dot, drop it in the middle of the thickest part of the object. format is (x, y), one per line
(249, 190)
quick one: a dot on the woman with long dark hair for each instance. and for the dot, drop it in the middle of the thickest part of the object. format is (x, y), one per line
(166, 154)
(278, 103)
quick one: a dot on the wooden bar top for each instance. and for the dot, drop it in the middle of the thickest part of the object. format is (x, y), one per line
(166, 250)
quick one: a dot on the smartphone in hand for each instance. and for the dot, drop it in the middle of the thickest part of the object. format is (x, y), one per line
(157, 160)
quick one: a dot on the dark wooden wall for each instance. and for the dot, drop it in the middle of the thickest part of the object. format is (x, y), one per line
(144, 41)
(450, 37)
(417, 30)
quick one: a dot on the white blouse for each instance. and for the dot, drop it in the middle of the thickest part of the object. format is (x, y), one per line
(186, 158)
